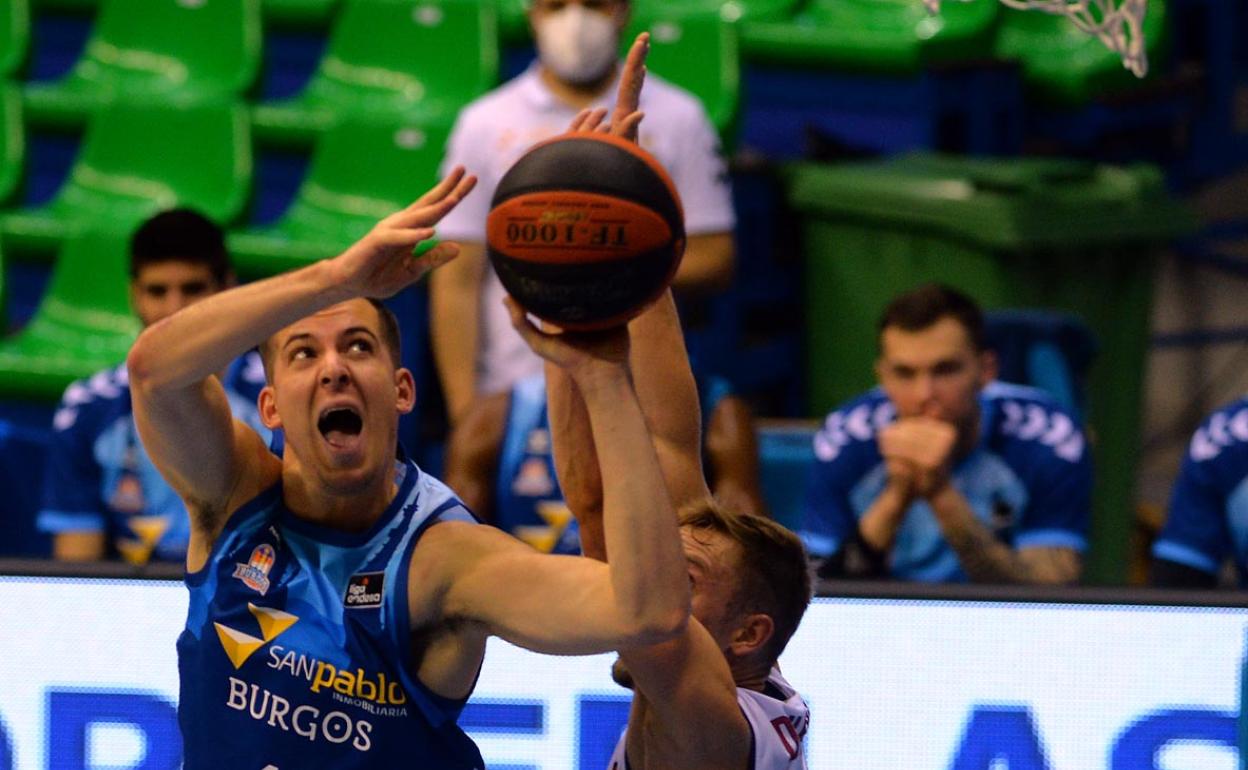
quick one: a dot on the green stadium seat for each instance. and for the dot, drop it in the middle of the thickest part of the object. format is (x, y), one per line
(301, 13)
(71, 6)
(83, 324)
(174, 50)
(4, 296)
(513, 21)
(407, 58)
(137, 159)
(896, 37)
(361, 171)
(1065, 66)
(730, 10)
(14, 36)
(12, 140)
(698, 52)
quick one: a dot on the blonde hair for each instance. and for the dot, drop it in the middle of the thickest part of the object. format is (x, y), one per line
(774, 576)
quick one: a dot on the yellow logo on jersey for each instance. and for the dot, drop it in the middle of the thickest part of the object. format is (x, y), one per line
(148, 531)
(240, 646)
(557, 516)
(358, 685)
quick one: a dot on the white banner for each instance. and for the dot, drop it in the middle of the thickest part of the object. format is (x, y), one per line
(88, 679)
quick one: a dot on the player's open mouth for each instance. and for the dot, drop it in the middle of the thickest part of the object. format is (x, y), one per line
(340, 426)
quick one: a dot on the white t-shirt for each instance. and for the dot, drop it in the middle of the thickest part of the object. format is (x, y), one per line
(495, 130)
(778, 722)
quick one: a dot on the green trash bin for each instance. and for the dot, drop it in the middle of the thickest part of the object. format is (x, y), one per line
(1058, 234)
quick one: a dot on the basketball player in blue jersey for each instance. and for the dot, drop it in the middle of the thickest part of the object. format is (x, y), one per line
(1208, 518)
(340, 599)
(713, 697)
(943, 474)
(498, 459)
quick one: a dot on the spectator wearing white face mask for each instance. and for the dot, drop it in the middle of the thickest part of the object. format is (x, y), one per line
(578, 41)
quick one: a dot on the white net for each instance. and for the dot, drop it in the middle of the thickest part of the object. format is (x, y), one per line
(1116, 23)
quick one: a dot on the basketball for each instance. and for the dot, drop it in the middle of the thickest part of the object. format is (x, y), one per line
(585, 230)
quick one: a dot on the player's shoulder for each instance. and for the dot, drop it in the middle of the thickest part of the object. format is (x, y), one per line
(779, 718)
(439, 516)
(1222, 436)
(437, 501)
(1029, 421)
(454, 547)
(850, 430)
(92, 399)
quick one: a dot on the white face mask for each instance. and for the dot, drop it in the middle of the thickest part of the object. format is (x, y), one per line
(577, 44)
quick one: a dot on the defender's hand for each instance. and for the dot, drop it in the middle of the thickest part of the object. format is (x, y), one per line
(577, 353)
(626, 117)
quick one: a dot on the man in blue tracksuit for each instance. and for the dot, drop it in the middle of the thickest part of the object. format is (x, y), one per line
(942, 474)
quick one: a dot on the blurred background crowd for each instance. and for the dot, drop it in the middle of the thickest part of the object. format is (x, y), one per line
(965, 297)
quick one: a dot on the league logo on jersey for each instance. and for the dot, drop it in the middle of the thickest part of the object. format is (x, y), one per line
(364, 590)
(255, 573)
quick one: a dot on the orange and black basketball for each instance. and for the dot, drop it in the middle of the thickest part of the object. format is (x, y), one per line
(585, 230)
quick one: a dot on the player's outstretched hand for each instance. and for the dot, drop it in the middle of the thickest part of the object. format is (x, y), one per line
(382, 263)
(626, 117)
(574, 352)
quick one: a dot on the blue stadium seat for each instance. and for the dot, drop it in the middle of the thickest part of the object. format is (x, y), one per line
(785, 456)
(155, 49)
(1045, 349)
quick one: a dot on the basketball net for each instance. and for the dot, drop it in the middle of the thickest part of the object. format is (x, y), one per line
(1116, 23)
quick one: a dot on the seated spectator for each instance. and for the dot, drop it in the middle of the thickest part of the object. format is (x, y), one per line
(475, 348)
(499, 462)
(941, 473)
(1208, 518)
(102, 496)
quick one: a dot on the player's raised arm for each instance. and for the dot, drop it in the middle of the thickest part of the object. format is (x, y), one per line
(660, 367)
(686, 682)
(571, 604)
(180, 409)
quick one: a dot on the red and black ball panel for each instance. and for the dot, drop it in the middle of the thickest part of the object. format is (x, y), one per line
(585, 230)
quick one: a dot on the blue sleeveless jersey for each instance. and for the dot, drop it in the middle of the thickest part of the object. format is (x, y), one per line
(1208, 519)
(297, 647)
(100, 479)
(527, 500)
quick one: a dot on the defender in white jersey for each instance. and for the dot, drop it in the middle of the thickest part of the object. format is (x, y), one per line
(713, 697)
(777, 718)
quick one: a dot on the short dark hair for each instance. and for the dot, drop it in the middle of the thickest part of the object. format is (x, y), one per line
(390, 339)
(921, 308)
(183, 235)
(775, 576)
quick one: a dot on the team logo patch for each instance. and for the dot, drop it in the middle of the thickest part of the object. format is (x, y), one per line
(239, 646)
(255, 573)
(364, 590)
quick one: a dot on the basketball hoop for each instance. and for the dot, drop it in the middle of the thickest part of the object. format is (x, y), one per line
(1116, 23)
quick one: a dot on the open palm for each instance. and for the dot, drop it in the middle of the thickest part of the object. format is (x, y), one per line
(382, 263)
